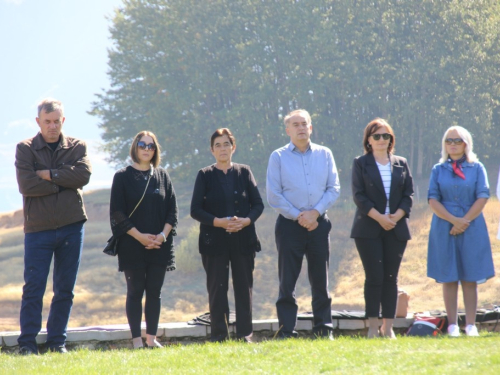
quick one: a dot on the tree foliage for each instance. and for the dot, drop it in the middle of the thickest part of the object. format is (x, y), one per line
(183, 68)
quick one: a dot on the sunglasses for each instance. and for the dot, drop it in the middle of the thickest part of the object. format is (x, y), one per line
(143, 146)
(384, 136)
(454, 141)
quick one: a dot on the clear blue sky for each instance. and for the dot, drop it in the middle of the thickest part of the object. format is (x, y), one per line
(54, 48)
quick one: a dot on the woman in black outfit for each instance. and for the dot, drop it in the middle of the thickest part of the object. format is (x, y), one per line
(227, 203)
(382, 189)
(145, 245)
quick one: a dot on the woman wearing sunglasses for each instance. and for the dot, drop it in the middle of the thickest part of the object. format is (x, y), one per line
(382, 189)
(459, 246)
(227, 203)
(143, 212)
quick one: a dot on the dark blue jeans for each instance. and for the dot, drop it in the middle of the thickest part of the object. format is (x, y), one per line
(65, 244)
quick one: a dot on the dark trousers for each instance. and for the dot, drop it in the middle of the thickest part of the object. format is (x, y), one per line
(293, 242)
(65, 245)
(381, 258)
(149, 279)
(217, 270)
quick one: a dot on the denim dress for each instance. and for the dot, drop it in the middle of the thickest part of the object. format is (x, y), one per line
(466, 256)
(498, 196)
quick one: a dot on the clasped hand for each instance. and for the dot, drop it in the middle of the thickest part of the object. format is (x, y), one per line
(459, 226)
(150, 241)
(387, 222)
(235, 224)
(308, 219)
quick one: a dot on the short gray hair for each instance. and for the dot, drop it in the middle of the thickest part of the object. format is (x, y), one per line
(50, 105)
(301, 112)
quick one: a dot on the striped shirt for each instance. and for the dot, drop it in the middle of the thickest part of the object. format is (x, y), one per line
(385, 173)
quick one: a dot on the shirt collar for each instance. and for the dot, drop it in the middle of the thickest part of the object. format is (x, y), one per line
(448, 165)
(293, 148)
(39, 142)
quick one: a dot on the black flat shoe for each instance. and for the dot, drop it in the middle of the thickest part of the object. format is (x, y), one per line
(287, 335)
(219, 339)
(59, 349)
(24, 350)
(328, 336)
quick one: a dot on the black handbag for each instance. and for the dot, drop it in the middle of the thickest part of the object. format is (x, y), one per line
(111, 247)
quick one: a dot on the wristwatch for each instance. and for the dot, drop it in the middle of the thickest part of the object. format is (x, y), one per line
(164, 237)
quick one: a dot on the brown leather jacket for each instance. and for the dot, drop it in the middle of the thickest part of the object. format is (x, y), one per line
(52, 204)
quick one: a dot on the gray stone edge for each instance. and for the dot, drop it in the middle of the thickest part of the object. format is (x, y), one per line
(177, 330)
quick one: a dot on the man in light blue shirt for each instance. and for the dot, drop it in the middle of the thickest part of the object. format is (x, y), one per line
(302, 184)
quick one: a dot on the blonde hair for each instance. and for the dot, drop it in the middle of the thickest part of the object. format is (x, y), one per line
(467, 138)
(155, 161)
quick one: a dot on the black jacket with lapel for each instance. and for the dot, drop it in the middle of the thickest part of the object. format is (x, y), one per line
(368, 192)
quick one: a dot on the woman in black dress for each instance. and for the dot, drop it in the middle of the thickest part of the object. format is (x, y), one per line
(227, 203)
(145, 235)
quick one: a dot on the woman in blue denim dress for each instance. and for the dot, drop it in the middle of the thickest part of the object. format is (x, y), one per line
(459, 246)
(498, 197)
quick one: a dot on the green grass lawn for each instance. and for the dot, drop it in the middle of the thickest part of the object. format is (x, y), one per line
(345, 355)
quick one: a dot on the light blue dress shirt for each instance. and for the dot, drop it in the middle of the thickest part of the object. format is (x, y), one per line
(299, 181)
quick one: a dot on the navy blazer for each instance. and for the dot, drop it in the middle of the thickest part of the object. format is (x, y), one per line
(368, 192)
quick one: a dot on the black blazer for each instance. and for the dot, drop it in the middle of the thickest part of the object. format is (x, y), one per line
(209, 202)
(368, 192)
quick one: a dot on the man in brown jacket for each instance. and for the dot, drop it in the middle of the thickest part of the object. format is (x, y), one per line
(51, 170)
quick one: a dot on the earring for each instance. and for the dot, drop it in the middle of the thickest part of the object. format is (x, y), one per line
(368, 146)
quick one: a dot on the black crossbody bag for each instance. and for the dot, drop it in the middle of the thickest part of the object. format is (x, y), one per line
(111, 247)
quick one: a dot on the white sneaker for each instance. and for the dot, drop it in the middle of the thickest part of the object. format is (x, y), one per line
(471, 330)
(453, 330)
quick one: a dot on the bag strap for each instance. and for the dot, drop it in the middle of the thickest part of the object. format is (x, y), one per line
(143, 194)
(440, 325)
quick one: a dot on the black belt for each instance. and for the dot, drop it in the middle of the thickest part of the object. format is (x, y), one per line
(320, 217)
